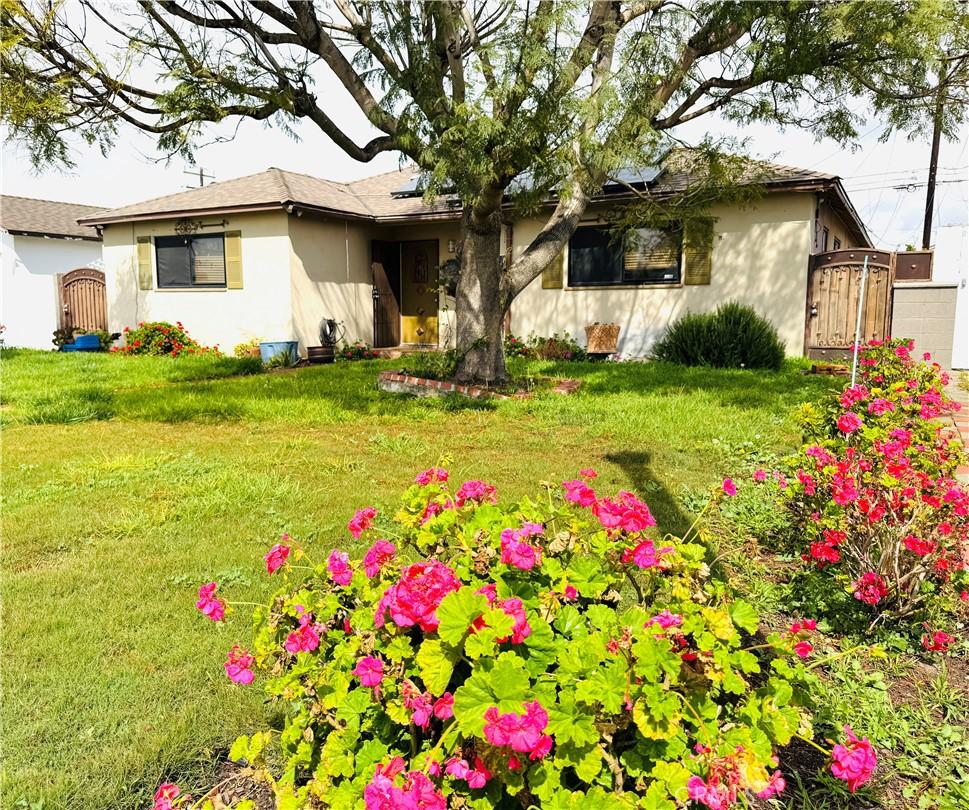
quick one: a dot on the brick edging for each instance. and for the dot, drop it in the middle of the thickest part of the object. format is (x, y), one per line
(475, 391)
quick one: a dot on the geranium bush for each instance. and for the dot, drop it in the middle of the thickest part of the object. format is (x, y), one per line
(873, 489)
(358, 350)
(162, 338)
(554, 652)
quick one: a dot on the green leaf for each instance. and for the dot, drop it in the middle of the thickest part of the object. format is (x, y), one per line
(607, 686)
(456, 613)
(656, 713)
(506, 686)
(601, 617)
(586, 574)
(654, 657)
(569, 723)
(541, 647)
(399, 649)
(569, 620)
(744, 616)
(436, 660)
(481, 644)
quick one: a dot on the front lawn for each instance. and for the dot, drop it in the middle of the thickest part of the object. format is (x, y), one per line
(128, 481)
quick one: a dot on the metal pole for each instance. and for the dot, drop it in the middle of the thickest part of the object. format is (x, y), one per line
(861, 307)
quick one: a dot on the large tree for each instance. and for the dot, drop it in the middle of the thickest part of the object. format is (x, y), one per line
(477, 93)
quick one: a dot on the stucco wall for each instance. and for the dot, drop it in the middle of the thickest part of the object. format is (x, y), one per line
(837, 229)
(262, 308)
(28, 285)
(330, 271)
(760, 257)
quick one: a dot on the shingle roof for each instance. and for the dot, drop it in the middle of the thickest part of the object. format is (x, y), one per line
(272, 188)
(373, 198)
(24, 215)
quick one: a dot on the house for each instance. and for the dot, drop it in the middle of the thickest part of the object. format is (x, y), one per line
(272, 254)
(50, 277)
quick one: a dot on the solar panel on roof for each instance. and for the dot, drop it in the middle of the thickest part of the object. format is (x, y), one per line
(413, 187)
(630, 176)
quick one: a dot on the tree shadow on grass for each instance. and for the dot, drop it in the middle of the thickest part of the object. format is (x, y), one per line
(669, 514)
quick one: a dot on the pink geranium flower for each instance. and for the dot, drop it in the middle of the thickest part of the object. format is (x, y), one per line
(415, 597)
(338, 566)
(165, 796)
(381, 552)
(475, 492)
(579, 492)
(665, 620)
(522, 733)
(430, 475)
(849, 422)
(370, 671)
(276, 557)
(854, 761)
(626, 512)
(939, 641)
(760, 476)
(645, 555)
(570, 593)
(775, 786)
(304, 638)
(238, 665)
(729, 487)
(209, 603)
(444, 706)
(362, 521)
(870, 588)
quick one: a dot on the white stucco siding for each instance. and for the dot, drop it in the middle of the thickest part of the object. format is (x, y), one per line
(760, 257)
(261, 309)
(329, 264)
(28, 286)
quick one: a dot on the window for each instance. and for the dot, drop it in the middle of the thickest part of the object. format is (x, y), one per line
(190, 261)
(598, 258)
(824, 238)
(837, 243)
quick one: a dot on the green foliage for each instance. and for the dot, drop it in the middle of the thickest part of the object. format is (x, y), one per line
(358, 350)
(432, 365)
(734, 336)
(248, 348)
(161, 338)
(626, 685)
(557, 347)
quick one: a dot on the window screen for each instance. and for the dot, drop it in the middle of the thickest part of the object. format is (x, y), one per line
(190, 261)
(595, 257)
(645, 256)
(652, 256)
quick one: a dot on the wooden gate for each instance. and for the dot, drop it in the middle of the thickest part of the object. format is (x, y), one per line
(834, 281)
(84, 304)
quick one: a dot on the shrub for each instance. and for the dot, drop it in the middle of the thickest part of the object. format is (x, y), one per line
(734, 336)
(161, 338)
(873, 492)
(556, 347)
(515, 346)
(503, 668)
(432, 365)
(358, 350)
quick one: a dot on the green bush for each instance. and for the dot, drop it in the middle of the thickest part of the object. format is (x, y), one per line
(161, 338)
(734, 336)
(432, 365)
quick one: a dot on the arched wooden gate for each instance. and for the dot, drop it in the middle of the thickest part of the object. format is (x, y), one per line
(84, 303)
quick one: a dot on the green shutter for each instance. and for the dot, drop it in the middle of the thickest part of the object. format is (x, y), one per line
(552, 275)
(144, 262)
(233, 260)
(698, 251)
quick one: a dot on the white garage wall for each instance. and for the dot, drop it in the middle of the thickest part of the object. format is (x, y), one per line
(28, 284)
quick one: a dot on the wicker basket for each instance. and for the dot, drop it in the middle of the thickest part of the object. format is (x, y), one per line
(602, 338)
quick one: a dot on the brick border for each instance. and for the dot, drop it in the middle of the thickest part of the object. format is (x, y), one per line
(391, 380)
(437, 386)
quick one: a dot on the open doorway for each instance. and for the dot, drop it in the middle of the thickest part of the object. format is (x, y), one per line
(405, 280)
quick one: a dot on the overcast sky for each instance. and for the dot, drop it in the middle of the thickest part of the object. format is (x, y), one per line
(133, 171)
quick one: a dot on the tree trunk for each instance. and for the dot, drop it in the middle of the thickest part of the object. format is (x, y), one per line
(481, 303)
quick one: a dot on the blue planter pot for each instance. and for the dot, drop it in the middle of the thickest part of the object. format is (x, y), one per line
(83, 343)
(269, 349)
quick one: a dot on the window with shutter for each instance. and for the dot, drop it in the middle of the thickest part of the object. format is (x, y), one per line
(552, 275)
(190, 261)
(598, 257)
(698, 251)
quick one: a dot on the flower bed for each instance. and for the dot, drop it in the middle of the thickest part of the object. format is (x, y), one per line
(873, 490)
(546, 652)
(162, 338)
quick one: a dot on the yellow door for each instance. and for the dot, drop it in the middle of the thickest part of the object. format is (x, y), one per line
(418, 270)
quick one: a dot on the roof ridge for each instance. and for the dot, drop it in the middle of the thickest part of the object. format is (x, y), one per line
(281, 177)
(381, 174)
(55, 202)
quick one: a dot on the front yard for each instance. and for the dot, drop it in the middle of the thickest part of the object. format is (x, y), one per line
(129, 481)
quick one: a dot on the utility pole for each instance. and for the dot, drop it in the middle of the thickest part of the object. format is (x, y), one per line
(201, 175)
(933, 167)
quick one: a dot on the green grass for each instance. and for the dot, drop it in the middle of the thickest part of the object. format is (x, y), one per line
(129, 481)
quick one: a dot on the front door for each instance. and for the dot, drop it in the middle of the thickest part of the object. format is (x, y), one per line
(385, 266)
(418, 276)
(834, 287)
(84, 305)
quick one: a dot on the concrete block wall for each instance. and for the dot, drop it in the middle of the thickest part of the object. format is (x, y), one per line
(926, 313)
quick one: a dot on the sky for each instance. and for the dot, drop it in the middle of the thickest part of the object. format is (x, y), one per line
(135, 171)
